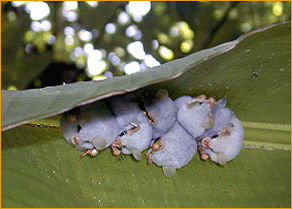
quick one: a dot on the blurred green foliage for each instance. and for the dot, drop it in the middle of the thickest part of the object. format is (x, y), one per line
(170, 30)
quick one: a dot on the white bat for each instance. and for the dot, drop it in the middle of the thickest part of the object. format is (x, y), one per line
(135, 131)
(223, 142)
(162, 113)
(125, 110)
(173, 150)
(134, 138)
(93, 128)
(194, 114)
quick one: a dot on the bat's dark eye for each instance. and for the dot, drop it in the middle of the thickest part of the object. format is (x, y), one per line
(214, 136)
(123, 133)
(194, 104)
(151, 119)
(78, 128)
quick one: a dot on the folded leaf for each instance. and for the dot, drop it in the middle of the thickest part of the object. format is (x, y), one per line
(252, 71)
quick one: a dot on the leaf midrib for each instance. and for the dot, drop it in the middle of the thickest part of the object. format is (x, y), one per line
(277, 130)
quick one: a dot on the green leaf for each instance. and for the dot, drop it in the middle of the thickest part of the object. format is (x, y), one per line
(253, 72)
(39, 168)
(19, 107)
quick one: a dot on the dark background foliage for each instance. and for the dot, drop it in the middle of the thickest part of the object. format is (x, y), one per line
(36, 55)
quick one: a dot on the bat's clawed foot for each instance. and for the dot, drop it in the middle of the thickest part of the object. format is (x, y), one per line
(92, 152)
(204, 155)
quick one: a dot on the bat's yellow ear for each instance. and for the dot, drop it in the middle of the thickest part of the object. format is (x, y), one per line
(209, 123)
(162, 94)
(137, 154)
(99, 144)
(222, 102)
(222, 159)
(169, 171)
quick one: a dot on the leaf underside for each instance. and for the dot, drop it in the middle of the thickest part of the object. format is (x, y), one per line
(39, 169)
(253, 72)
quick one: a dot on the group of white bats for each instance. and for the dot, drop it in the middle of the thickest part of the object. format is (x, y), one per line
(171, 130)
